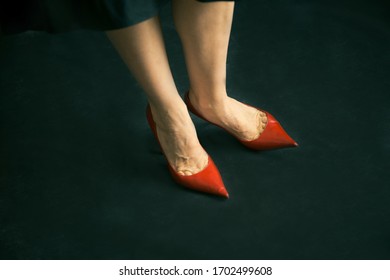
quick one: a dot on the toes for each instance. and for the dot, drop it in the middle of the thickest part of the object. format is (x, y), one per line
(263, 121)
(184, 172)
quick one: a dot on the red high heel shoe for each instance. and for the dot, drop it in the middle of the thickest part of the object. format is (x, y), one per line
(207, 180)
(272, 137)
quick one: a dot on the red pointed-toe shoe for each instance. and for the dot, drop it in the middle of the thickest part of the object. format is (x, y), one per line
(272, 137)
(207, 180)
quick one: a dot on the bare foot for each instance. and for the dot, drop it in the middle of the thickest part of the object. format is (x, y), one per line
(244, 122)
(178, 139)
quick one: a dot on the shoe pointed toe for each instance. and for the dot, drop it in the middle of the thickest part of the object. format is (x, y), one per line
(272, 137)
(208, 180)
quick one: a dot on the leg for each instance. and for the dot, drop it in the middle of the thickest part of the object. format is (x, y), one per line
(204, 29)
(142, 48)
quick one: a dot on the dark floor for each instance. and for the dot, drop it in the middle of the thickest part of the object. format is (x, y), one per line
(82, 177)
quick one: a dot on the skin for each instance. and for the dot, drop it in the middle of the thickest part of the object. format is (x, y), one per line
(204, 30)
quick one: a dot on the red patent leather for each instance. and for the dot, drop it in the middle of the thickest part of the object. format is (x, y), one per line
(208, 180)
(272, 137)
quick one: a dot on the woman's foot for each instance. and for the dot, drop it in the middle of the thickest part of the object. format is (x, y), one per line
(244, 122)
(178, 139)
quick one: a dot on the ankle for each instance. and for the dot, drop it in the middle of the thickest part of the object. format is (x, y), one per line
(211, 101)
(171, 118)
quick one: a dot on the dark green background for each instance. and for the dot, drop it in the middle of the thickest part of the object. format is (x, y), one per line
(82, 176)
